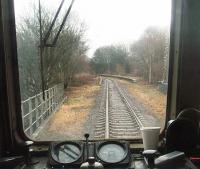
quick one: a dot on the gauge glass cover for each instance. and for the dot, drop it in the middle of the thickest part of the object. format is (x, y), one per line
(66, 153)
(112, 153)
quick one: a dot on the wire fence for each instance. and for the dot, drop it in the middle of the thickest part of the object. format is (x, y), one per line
(35, 110)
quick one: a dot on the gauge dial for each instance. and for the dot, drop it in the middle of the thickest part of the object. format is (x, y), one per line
(66, 153)
(112, 152)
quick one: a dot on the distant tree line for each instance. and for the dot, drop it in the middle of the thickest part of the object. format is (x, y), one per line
(148, 57)
(61, 63)
(110, 59)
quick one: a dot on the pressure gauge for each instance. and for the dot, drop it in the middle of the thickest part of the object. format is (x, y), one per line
(112, 152)
(65, 153)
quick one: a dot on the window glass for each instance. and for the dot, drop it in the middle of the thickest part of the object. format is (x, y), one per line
(98, 67)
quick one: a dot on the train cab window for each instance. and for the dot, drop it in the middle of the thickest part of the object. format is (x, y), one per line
(92, 66)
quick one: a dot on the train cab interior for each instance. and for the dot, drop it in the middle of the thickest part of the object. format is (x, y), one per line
(179, 141)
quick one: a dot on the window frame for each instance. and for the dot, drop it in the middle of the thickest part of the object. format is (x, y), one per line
(13, 100)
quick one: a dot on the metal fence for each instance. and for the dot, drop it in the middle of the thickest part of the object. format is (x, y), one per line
(162, 86)
(35, 110)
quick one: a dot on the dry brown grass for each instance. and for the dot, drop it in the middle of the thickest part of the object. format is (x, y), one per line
(76, 109)
(149, 96)
(73, 114)
(83, 78)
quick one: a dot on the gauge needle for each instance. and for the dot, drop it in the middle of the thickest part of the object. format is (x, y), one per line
(70, 149)
(63, 150)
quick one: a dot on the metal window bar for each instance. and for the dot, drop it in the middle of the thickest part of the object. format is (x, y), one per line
(35, 110)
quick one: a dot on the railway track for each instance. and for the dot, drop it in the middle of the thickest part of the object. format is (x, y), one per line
(116, 118)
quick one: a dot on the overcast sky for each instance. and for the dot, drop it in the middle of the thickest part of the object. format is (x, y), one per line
(110, 21)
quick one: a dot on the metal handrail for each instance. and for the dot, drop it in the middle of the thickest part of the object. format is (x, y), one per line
(36, 110)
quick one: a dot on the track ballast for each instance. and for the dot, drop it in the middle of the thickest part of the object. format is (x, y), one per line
(116, 118)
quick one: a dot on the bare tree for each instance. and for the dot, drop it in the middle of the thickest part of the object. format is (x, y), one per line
(60, 62)
(149, 55)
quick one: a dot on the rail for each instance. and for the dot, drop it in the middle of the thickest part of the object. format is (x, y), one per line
(35, 110)
(133, 114)
(112, 123)
(107, 113)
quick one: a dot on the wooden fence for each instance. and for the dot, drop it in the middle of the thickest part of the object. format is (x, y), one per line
(35, 110)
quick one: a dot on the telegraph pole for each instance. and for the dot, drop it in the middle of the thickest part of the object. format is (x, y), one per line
(43, 42)
(41, 48)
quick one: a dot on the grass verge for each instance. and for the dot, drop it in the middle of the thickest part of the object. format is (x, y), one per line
(70, 120)
(150, 96)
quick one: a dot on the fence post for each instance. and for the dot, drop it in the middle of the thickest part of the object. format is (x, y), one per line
(49, 100)
(42, 107)
(30, 116)
(54, 98)
(22, 110)
(36, 111)
(56, 94)
(45, 105)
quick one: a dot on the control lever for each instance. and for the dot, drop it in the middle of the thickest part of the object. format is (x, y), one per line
(28, 144)
(175, 160)
(87, 147)
(149, 157)
(91, 164)
(28, 152)
(10, 162)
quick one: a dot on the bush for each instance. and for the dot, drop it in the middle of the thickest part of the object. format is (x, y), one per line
(81, 79)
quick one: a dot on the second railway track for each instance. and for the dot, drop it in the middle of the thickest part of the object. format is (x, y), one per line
(116, 118)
